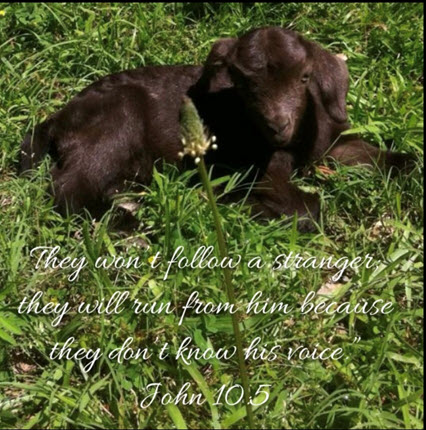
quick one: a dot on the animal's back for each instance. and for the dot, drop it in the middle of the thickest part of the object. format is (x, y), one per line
(109, 133)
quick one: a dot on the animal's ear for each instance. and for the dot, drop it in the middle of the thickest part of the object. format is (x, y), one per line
(330, 75)
(216, 68)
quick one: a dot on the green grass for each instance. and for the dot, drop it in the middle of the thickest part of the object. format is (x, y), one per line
(48, 52)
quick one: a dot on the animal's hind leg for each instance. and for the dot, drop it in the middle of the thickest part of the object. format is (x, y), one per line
(73, 193)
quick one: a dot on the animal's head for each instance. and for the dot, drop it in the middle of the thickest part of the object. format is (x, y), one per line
(276, 72)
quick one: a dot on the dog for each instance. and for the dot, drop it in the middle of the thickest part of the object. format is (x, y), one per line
(273, 99)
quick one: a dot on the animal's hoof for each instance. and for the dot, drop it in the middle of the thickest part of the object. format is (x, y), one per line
(307, 222)
(401, 162)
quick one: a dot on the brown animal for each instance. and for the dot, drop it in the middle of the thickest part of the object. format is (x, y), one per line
(273, 99)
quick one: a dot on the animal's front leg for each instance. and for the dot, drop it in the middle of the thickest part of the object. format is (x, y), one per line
(356, 151)
(274, 195)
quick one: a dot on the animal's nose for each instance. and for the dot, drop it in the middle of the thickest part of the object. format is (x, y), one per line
(284, 123)
(280, 124)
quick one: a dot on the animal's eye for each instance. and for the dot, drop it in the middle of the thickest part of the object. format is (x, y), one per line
(305, 78)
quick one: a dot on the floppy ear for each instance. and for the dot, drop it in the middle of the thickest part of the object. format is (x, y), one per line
(330, 75)
(216, 70)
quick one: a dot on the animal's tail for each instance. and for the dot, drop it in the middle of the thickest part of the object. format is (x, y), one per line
(36, 145)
